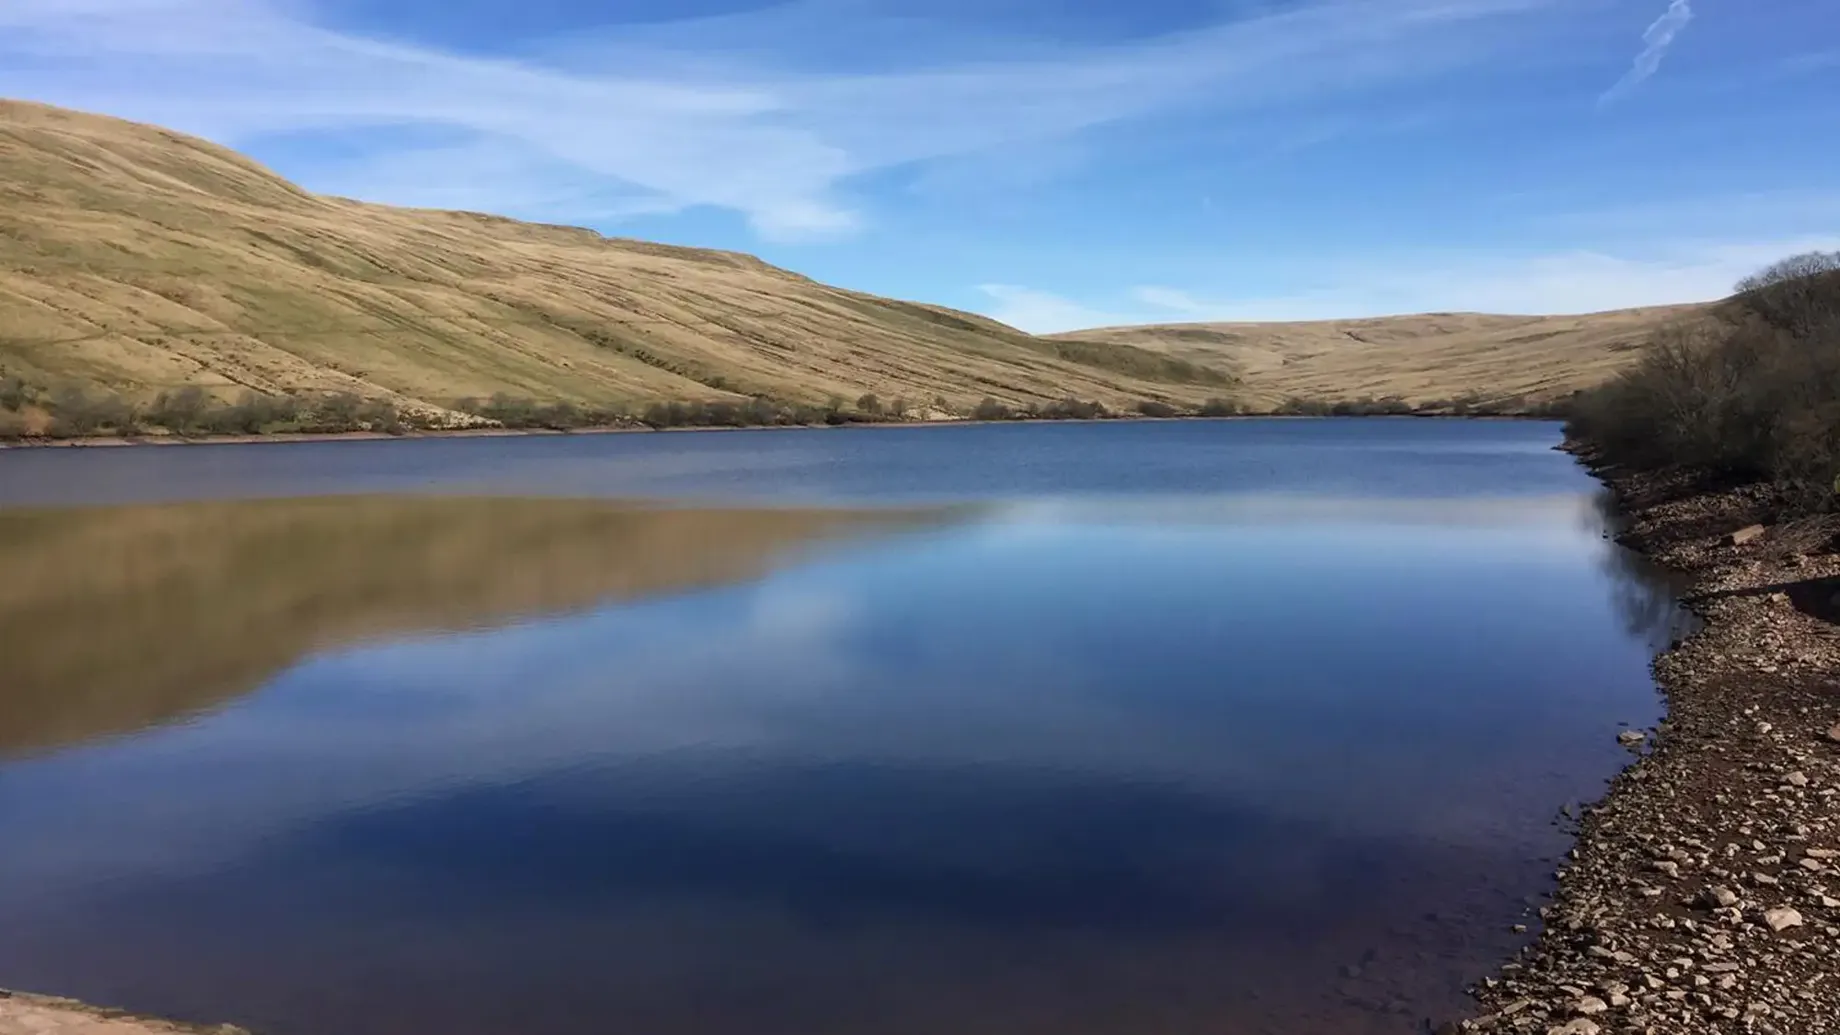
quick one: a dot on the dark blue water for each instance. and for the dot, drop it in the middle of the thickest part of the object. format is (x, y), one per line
(1197, 727)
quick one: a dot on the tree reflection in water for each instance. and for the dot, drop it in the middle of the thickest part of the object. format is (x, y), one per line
(1646, 595)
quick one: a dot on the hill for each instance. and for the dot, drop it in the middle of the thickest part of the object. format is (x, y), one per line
(139, 260)
(1424, 358)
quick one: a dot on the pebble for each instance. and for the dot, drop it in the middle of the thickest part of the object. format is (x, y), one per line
(1783, 918)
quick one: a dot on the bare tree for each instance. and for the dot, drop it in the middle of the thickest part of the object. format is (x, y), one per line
(1795, 267)
(990, 409)
(77, 412)
(14, 393)
(1795, 294)
(181, 410)
(1751, 390)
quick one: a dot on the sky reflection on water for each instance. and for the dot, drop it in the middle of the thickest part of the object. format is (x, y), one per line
(1157, 763)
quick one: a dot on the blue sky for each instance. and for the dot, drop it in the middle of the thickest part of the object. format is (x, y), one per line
(1053, 163)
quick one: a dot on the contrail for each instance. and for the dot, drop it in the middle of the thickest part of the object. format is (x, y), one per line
(1657, 40)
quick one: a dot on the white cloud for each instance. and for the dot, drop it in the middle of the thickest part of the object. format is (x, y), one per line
(667, 127)
(1172, 299)
(1577, 281)
(1043, 312)
(499, 177)
(1656, 41)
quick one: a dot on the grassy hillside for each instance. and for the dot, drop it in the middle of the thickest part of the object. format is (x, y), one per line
(137, 260)
(1437, 356)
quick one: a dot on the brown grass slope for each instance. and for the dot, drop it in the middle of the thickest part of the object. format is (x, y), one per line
(1423, 358)
(138, 260)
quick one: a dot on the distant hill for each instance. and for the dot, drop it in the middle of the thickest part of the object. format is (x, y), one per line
(137, 260)
(1431, 357)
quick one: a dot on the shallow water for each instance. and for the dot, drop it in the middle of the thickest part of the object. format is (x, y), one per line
(1237, 726)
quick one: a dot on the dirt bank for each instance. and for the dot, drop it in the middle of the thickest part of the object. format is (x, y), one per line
(1704, 891)
(22, 1014)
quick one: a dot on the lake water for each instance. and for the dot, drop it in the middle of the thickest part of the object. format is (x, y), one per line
(1244, 727)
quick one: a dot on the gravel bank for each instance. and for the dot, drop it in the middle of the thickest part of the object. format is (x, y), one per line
(1704, 891)
(22, 1014)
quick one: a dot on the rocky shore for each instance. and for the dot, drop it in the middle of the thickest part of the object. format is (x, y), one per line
(1703, 895)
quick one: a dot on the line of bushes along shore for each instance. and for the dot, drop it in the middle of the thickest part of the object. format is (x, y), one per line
(1749, 394)
(29, 411)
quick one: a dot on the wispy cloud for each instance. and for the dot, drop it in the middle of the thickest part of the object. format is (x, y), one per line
(633, 124)
(1816, 61)
(1174, 300)
(1044, 312)
(1575, 281)
(1656, 41)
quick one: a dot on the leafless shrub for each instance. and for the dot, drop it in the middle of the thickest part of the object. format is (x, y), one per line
(76, 412)
(181, 411)
(1297, 406)
(1794, 294)
(990, 409)
(1755, 394)
(338, 411)
(1071, 409)
(14, 393)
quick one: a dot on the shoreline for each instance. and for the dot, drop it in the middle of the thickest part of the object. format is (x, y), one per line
(1702, 893)
(53, 1015)
(126, 441)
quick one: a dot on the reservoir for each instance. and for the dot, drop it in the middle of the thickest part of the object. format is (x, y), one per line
(1251, 726)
